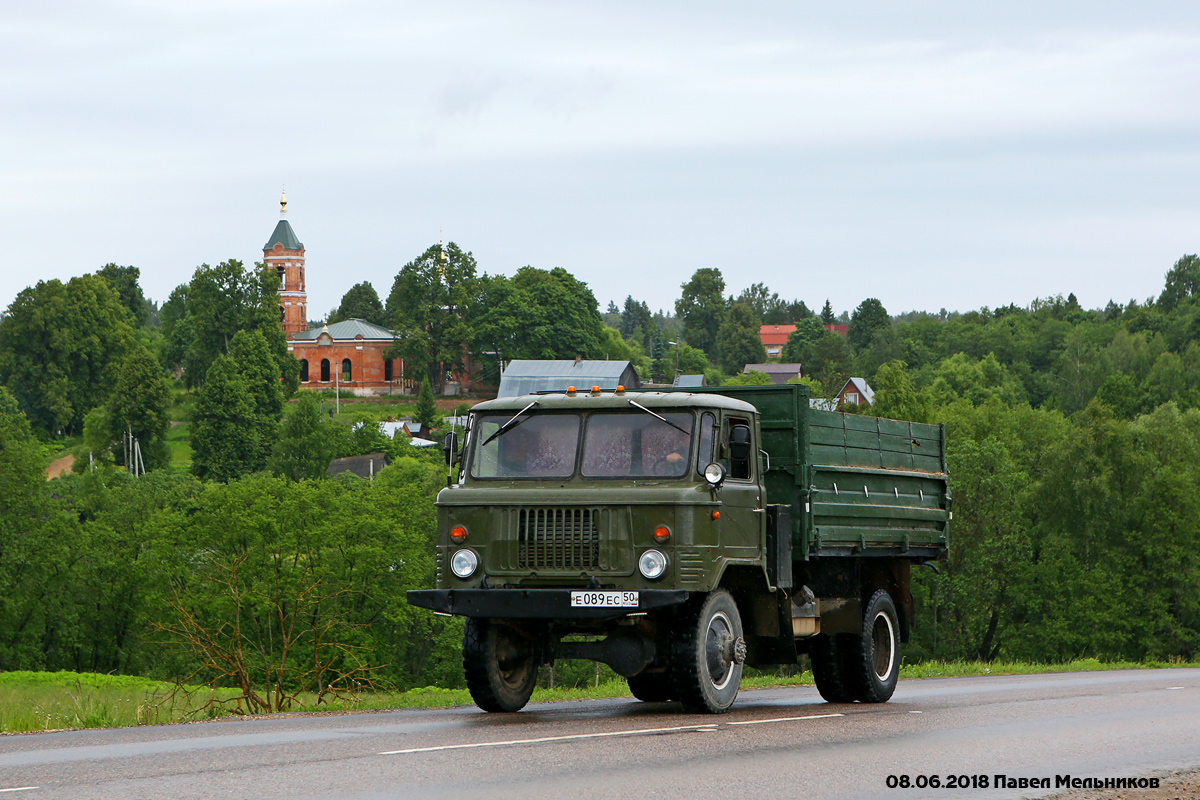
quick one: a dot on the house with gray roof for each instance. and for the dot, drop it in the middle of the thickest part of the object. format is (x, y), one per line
(529, 377)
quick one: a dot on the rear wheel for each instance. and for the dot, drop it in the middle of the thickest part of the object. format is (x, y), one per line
(652, 687)
(871, 660)
(500, 665)
(826, 654)
(707, 653)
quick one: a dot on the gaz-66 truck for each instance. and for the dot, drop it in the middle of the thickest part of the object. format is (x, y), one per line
(679, 536)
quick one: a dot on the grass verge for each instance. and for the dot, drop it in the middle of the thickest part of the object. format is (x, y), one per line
(33, 701)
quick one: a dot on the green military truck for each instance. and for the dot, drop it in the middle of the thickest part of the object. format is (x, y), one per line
(678, 536)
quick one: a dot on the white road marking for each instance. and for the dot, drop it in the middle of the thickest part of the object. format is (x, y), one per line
(19, 789)
(1169, 688)
(541, 739)
(784, 719)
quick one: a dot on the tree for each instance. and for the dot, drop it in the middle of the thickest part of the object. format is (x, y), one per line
(830, 362)
(869, 318)
(361, 302)
(801, 342)
(430, 308)
(226, 435)
(751, 378)
(702, 308)
(827, 315)
(1183, 281)
(738, 340)
(124, 281)
(636, 321)
(538, 314)
(895, 395)
(426, 407)
(59, 348)
(304, 444)
(138, 407)
(228, 298)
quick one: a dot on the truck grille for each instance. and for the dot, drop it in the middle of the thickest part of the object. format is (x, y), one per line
(558, 538)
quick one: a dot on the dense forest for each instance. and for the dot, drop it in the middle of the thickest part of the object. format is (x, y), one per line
(1074, 450)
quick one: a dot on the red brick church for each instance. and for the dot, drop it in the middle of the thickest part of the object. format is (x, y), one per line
(344, 355)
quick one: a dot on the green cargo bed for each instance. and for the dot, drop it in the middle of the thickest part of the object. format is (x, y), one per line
(857, 485)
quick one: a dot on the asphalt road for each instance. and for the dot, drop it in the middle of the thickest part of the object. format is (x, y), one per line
(774, 743)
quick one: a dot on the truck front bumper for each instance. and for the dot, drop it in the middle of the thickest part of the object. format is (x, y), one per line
(534, 603)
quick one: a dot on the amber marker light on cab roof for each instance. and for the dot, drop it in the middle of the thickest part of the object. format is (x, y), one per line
(620, 390)
(570, 391)
(458, 534)
(662, 533)
(595, 391)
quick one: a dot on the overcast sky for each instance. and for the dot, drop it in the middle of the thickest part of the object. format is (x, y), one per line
(929, 154)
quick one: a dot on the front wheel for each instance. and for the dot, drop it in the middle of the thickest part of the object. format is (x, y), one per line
(871, 660)
(500, 665)
(707, 653)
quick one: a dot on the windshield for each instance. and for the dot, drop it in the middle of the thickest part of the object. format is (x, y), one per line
(616, 444)
(536, 445)
(636, 445)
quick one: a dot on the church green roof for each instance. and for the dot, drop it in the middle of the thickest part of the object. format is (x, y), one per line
(283, 235)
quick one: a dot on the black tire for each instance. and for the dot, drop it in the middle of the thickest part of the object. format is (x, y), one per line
(871, 660)
(707, 653)
(825, 652)
(652, 687)
(501, 665)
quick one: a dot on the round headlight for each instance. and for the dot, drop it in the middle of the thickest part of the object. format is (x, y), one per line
(464, 563)
(714, 473)
(652, 564)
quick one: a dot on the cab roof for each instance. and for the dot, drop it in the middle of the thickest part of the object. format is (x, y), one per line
(585, 400)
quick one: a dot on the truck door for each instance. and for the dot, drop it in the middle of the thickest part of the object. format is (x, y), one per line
(740, 528)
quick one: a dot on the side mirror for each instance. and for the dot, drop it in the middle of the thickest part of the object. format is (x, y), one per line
(739, 443)
(450, 446)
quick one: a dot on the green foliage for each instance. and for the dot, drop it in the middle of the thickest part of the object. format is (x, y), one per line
(896, 397)
(227, 437)
(801, 343)
(868, 319)
(60, 345)
(1183, 281)
(702, 308)
(426, 407)
(738, 342)
(124, 281)
(219, 302)
(751, 378)
(360, 302)
(431, 308)
(305, 444)
(539, 314)
(138, 407)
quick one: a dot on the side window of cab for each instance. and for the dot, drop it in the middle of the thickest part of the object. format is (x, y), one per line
(737, 436)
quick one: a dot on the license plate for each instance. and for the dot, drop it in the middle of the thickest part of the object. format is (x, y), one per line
(604, 599)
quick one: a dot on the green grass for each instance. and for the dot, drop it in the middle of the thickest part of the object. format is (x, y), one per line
(179, 443)
(32, 701)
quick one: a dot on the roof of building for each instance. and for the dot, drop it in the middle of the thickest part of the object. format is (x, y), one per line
(861, 386)
(529, 377)
(347, 329)
(778, 373)
(775, 334)
(285, 236)
(844, 330)
(689, 381)
(773, 369)
(362, 466)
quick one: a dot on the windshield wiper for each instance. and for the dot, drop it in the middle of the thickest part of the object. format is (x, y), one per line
(636, 404)
(508, 426)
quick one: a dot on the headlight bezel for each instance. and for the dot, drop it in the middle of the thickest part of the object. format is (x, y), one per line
(469, 564)
(652, 564)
